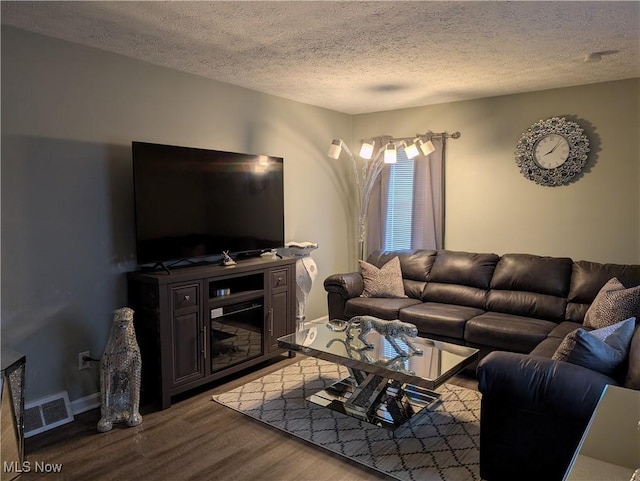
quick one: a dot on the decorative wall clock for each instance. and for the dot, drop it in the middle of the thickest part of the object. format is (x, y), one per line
(552, 152)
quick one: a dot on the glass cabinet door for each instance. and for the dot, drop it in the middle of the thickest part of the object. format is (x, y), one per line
(236, 333)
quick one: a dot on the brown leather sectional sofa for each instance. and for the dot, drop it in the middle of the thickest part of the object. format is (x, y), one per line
(517, 309)
(513, 302)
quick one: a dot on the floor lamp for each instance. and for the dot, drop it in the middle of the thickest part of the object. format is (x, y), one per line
(364, 178)
(377, 152)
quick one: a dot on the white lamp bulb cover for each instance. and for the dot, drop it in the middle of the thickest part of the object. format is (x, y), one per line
(390, 154)
(334, 149)
(366, 150)
(427, 147)
(411, 149)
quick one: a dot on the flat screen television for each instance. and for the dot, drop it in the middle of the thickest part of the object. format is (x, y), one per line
(193, 203)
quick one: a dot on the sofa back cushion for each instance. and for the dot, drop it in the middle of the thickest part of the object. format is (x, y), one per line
(460, 278)
(588, 278)
(414, 264)
(531, 286)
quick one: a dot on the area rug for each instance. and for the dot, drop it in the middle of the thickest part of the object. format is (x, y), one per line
(438, 445)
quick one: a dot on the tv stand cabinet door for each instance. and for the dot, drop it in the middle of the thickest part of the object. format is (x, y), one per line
(280, 320)
(187, 334)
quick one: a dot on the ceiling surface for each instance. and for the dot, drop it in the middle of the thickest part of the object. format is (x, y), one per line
(359, 56)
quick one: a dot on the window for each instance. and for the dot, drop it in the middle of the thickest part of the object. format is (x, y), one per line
(398, 229)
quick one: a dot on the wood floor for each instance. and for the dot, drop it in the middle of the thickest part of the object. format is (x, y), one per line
(195, 439)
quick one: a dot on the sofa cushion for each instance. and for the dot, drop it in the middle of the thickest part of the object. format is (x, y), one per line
(455, 294)
(547, 348)
(603, 350)
(384, 308)
(526, 272)
(613, 303)
(460, 278)
(464, 268)
(564, 328)
(413, 288)
(527, 304)
(508, 332)
(439, 319)
(385, 281)
(588, 278)
(415, 264)
(531, 286)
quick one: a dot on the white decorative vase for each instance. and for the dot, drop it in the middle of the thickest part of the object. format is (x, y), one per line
(306, 273)
(120, 371)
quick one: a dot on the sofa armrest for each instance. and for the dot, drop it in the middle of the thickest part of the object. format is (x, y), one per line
(541, 385)
(340, 288)
(533, 413)
(346, 285)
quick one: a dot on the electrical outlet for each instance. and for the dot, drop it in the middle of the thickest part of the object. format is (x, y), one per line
(82, 363)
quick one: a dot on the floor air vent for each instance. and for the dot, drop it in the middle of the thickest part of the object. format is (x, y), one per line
(46, 413)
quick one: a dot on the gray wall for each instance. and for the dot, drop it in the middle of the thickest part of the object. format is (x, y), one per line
(69, 114)
(491, 207)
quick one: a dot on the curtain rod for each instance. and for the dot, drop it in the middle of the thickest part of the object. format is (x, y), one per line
(436, 135)
(429, 135)
(446, 135)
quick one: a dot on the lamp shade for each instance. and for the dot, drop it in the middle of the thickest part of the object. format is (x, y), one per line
(411, 149)
(366, 150)
(427, 147)
(390, 154)
(335, 148)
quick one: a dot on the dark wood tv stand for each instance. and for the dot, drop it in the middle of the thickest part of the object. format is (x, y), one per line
(202, 323)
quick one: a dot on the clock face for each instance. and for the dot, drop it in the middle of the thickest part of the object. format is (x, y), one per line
(551, 151)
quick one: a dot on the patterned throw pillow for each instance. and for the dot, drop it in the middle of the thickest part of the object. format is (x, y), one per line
(613, 303)
(383, 282)
(602, 350)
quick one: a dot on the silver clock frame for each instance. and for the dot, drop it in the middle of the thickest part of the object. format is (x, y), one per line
(563, 174)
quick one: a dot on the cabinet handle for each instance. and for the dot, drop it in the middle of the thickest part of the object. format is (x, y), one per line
(271, 321)
(186, 298)
(204, 341)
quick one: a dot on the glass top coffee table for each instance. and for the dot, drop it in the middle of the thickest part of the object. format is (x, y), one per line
(384, 388)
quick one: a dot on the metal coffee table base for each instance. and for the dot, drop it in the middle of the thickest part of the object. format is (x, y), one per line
(375, 399)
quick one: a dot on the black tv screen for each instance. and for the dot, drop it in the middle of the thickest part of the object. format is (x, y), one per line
(193, 203)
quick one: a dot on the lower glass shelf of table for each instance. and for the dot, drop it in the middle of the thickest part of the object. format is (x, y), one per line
(389, 382)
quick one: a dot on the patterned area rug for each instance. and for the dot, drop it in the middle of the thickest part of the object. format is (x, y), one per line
(440, 444)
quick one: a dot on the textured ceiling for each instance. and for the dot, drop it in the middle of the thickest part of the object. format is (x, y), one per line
(360, 57)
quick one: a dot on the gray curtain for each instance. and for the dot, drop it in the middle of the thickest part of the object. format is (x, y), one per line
(377, 218)
(428, 199)
(428, 203)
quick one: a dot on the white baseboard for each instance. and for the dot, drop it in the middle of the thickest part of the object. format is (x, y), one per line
(86, 403)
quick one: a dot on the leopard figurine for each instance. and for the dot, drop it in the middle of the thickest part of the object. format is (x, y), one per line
(395, 364)
(391, 330)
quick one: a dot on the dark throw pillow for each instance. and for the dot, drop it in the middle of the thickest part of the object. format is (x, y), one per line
(602, 350)
(383, 282)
